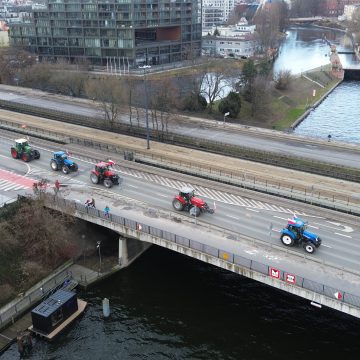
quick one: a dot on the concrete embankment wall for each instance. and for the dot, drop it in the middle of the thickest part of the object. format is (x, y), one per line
(314, 106)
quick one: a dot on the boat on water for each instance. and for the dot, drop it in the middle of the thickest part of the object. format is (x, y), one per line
(55, 313)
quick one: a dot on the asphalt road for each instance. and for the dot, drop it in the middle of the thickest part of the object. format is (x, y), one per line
(241, 214)
(266, 140)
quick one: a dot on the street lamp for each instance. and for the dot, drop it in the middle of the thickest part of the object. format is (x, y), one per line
(225, 115)
(146, 106)
(98, 247)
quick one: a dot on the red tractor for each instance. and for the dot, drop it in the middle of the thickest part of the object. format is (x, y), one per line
(103, 174)
(186, 200)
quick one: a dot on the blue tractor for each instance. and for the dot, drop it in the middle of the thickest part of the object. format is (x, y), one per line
(295, 233)
(60, 161)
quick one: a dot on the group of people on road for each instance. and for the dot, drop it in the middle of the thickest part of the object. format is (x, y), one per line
(91, 204)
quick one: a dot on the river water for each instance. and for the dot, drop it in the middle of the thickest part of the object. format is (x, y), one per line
(169, 306)
(338, 115)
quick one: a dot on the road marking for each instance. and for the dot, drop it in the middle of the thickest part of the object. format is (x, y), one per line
(330, 247)
(162, 195)
(254, 210)
(279, 217)
(10, 180)
(334, 228)
(233, 217)
(347, 236)
(133, 186)
(346, 228)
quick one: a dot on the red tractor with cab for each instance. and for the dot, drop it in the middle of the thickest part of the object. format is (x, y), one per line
(104, 174)
(187, 201)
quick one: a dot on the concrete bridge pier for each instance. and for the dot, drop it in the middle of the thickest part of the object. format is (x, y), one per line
(130, 249)
(123, 253)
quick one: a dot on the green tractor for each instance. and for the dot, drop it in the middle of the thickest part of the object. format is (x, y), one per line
(22, 150)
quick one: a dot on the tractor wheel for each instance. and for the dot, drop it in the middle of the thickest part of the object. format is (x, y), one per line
(65, 170)
(177, 205)
(287, 240)
(94, 178)
(53, 165)
(14, 153)
(108, 183)
(309, 248)
(195, 211)
(25, 157)
(75, 167)
(36, 154)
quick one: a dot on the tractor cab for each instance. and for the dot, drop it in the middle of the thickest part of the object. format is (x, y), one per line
(187, 193)
(101, 167)
(60, 155)
(21, 144)
(297, 226)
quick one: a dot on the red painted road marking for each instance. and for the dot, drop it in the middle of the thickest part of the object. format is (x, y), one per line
(16, 179)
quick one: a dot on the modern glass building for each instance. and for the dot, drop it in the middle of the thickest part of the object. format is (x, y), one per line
(123, 32)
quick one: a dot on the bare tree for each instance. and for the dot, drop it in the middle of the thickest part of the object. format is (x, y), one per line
(354, 25)
(270, 20)
(283, 79)
(12, 63)
(214, 81)
(163, 100)
(260, 98)
(110, 94)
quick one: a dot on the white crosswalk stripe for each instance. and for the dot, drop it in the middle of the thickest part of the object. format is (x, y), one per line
(6, 185)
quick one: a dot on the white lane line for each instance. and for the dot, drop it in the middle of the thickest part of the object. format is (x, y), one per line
(279, 217)
(134, 186)
(252, 210)
(330, 247)
(348, 236)
(162, 195)
(330, 227)
(233, 217)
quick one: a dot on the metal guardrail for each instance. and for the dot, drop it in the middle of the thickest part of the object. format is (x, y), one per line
(232, 258)
(238, 178)
(32, 297)
(270, 158)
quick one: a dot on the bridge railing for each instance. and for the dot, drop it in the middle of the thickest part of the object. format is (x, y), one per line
(257, 266)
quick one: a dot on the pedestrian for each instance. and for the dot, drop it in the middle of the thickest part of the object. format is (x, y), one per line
(107, 210)
(57, 186)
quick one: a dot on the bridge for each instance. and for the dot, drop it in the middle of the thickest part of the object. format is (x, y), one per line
(319, 282)
(305, 19)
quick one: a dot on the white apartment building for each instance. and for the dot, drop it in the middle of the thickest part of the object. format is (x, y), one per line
(216, 12)
(236, 41)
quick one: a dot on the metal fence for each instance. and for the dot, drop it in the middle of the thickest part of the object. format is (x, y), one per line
(310, 195)
(203, 248)
(251, 154)
(43, 289)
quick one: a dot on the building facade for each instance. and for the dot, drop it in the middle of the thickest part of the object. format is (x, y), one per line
(236, 41)
(124, 32)
(216, 12)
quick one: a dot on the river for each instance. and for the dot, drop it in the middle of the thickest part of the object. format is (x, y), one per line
(338, 115)
(169, 306)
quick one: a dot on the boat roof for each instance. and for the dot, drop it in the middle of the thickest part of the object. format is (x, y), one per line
(22, 140)
(53, 302)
